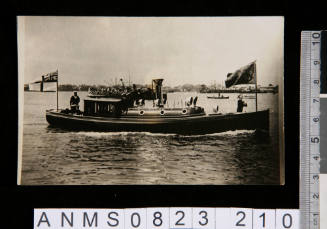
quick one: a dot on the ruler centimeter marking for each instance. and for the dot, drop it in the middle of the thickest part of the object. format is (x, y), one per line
(310, 129)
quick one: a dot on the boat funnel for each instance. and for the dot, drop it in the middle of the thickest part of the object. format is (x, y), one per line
(41, 85)
(157, 88)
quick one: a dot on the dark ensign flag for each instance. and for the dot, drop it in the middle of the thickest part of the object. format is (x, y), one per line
(244, 75)
(51, 77)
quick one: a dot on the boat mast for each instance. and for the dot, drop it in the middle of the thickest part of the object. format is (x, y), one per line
(57, 89)
(129, 78)
(152, 92)
(256, 86)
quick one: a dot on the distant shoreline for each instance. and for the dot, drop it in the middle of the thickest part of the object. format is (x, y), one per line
(212, 92)
(182, 88)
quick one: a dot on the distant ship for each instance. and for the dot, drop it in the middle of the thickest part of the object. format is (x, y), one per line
(218, 97)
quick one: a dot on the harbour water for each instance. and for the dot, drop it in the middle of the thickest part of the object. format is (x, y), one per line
(52, 156)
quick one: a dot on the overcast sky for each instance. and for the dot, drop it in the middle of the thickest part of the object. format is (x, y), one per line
(95, 50)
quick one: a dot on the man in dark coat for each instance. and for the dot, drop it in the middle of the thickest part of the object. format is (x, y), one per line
(240, 104)
(74, 102)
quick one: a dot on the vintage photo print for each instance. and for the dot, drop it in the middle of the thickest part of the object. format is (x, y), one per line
(151, 100)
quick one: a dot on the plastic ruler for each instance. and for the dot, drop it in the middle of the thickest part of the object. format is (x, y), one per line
(309, 129)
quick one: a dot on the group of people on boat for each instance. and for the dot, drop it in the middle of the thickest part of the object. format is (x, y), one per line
(109, 91)
(120, 91)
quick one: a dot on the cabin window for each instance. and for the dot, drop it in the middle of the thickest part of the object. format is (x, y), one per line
(101, 108)
(111, 107)
(105, 109)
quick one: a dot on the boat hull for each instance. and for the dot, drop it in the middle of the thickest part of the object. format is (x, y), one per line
(190, 124)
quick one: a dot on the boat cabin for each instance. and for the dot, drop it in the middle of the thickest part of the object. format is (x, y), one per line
(102, 106)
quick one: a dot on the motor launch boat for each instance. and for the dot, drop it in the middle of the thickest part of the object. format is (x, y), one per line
(123, 114)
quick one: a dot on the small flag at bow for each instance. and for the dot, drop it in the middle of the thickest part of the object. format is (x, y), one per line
(244, 75)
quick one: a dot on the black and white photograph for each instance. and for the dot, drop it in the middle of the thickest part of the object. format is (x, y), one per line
(151, 100)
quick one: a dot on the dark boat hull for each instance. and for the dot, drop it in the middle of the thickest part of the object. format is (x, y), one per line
(192, 124)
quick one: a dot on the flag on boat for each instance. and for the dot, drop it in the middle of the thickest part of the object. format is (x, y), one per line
(51, 77)
(244, 75)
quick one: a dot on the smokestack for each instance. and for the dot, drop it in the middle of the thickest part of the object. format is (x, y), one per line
(158, 86)
(41, 85)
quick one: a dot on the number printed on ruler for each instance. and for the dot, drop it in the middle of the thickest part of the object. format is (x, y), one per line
(310, 129)
(167, 218)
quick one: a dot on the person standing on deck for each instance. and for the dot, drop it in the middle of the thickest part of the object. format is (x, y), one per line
(240, 104)
(74, 102)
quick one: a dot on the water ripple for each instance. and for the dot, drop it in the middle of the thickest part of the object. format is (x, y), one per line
(56, 156)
